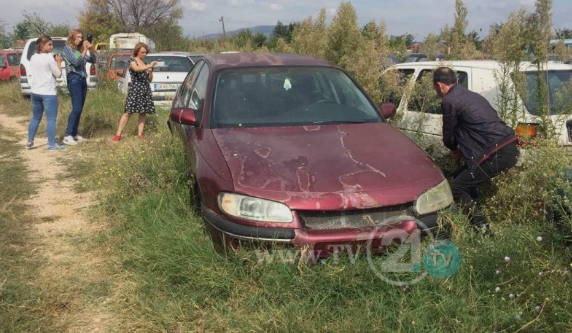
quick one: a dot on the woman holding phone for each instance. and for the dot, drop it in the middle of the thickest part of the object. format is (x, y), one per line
(77, 53)
(139, 99)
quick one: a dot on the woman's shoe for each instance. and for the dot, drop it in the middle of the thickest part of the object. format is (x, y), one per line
(141, 136)
(117, 138)
(56, 147)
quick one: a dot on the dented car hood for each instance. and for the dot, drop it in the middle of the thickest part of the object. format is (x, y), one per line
(327, 167)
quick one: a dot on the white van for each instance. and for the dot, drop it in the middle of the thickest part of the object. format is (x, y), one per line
(418, 108)
(59, 43)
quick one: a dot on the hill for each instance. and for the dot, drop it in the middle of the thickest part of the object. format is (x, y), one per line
(264, 29)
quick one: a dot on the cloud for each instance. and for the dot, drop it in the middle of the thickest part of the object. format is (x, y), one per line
(198, 6)
(272, 6)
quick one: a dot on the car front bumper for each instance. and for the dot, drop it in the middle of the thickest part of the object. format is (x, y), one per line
(322, 242)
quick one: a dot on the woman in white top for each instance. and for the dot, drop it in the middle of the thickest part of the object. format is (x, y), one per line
(44, 69)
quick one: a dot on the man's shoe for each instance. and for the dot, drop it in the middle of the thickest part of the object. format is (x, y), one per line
(79, 138)
(29, 144)
(56, 147)
(68, 140)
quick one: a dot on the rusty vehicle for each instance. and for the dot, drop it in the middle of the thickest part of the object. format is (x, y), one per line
(285, 148)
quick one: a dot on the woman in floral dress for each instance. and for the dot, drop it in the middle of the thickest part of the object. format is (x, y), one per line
(139, 99)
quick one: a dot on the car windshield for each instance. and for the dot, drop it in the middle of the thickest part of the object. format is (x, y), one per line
(119, 61)
(558, 91)
(170, 63)
(280, 95)
(59, 45)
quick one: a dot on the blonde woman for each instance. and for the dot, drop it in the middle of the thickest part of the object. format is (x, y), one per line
(139, 99)
(76, 56)
(44, 69)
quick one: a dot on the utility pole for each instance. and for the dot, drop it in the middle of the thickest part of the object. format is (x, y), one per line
(223, 31)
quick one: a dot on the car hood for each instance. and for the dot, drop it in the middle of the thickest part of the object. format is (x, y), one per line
(326, 167)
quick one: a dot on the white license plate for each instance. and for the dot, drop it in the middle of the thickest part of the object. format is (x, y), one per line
(165, 86)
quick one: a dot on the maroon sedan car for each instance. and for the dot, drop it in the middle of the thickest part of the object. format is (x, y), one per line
(288, 148)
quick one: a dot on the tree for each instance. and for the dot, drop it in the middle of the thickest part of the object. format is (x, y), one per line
(344, 35)
(35, 25)
(310, 36)
(462, 47)
(99, 20)
(21, 31)
(129, 15)
(143, 14)
(540, 32)
(563, 33)
(284, 31)
(4, 39)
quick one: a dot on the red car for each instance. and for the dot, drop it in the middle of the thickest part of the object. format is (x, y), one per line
(288, 148)
(10, 64)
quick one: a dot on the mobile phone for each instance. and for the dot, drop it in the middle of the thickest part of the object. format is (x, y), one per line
(89, 38)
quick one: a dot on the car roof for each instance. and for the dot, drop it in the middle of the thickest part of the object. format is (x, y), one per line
(170, 54)
(233, 60)
(483, 64)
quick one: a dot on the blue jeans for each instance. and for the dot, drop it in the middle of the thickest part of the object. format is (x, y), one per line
(77, 86)
(41, 103)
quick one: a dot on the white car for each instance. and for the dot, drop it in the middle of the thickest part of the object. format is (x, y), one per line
(168, 75)
(419, 112)
(59, 43)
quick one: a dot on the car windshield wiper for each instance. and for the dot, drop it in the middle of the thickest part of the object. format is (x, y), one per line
(340, 122)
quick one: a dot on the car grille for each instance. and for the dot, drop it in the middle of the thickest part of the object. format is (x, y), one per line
(324, 220)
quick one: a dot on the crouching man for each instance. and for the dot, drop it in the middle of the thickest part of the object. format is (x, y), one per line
(473, 131)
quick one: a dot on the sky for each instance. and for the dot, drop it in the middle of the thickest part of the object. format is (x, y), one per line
(202, 17)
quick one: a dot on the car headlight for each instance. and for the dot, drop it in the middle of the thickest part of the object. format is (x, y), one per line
(254, 208)
(434, 199)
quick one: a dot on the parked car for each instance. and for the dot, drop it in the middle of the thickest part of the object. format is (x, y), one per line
(116, 62)
(9, 64)
(288, 148)
(419, 108)
(168, 75)
(59, 43)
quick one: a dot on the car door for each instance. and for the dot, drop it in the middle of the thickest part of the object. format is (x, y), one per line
(421, 107)
(194, 98)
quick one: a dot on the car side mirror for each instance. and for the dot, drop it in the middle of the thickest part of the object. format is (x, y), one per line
(388, 110)
(184, 116)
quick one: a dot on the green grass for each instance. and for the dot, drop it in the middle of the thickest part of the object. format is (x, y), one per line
(24, 305)
(180, 283)
(176, 281)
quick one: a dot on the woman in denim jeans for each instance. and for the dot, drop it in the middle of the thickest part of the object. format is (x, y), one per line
(76, 56)
(44, 69)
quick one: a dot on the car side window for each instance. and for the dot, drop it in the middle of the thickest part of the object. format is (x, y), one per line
(199, 91)
(186, 87)
(424, 98)
(13, 59)
(2, 61)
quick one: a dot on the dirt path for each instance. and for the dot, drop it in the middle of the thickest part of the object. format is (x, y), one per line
(74, 271)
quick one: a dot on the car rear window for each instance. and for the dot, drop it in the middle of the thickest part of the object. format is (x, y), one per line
(170, 63)
(59, 45)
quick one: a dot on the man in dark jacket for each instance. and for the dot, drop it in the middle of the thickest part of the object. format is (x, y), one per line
(473, 131)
